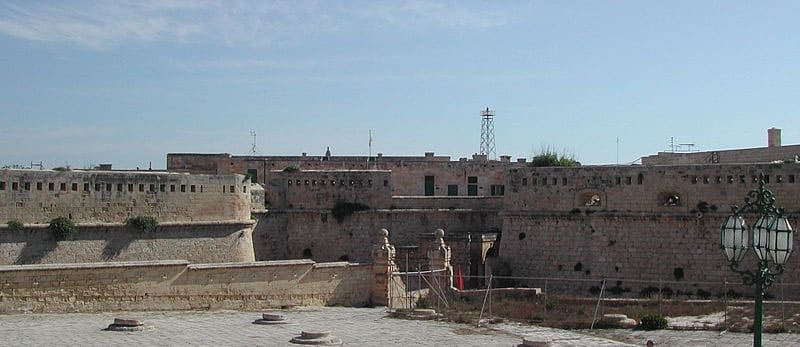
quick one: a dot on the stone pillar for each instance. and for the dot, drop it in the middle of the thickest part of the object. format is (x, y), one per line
(383, 266)
(439, 258)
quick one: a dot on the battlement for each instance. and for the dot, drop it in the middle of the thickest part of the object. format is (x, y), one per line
(104, 196)
(666, 189)
(321, 189)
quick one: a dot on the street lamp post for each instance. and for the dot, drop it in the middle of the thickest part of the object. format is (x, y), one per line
(771, 241)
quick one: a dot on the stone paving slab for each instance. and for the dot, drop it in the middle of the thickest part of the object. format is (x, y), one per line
(355, 326)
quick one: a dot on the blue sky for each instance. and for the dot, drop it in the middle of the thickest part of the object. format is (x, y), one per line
(124, 82)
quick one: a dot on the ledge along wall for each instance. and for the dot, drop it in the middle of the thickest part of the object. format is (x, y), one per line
(179, 285)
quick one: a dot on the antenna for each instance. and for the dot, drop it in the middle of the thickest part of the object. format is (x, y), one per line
(253, 134)
(487, 134)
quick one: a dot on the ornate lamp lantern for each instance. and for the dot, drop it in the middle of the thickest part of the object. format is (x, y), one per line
(772, 243)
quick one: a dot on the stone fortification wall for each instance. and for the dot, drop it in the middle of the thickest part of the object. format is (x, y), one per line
(295, 234)
(637, 249)
(732, 156)
(408, 172)
(483, 203)
(178, 285)
(322, 189)
(101, 196)
(663, 189)
(202, 242)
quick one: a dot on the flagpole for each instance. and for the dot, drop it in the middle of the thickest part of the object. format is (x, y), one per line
(370, 148)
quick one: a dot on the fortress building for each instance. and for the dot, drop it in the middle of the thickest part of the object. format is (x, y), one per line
(644, 223)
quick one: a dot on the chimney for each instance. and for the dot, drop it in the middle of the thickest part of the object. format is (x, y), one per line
(773, 137)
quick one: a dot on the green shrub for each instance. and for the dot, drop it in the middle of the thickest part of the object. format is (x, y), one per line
(548, 157)
(653, 322)
(62, 228)
(62, 168)
(15, 225)
(143, 223)
(342, 210)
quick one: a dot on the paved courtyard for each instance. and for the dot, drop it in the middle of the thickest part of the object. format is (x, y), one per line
(355, 326)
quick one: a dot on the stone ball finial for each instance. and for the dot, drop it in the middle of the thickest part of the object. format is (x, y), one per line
(383, 233)
(439, 233)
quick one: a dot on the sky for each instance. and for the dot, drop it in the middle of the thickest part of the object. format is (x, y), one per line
(125, 82)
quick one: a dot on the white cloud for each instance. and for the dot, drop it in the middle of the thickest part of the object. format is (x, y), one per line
(101, 24)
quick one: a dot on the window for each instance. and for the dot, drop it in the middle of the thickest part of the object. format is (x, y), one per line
(533, 181)
(14, 186)
(63, 187)
(27, 185)
(233, 189)
(791, 178)
(430, 185)
(38, 186)
(640, 179)
(130, 187)
(141, 187)
(86, 187)
(452, 190)
(671, 199)
(2, 185)
(525, 181)
(152, 187)
(108, 187)
(628, 180)
(192, 188)
(119, 187)
(162, 188)
(563, 181)
(472, 179)
(74, 187)
(253, 174)
(385, 183)
(498, 190)
(51, 186)
(97, 187)
(172, 188)
(592, 199)
(183, 188)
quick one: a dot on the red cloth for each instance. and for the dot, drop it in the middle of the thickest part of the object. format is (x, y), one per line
(459, 279)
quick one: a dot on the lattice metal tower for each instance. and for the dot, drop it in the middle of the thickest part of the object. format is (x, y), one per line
(487, 134)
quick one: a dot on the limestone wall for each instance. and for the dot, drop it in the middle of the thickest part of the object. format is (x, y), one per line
(202, 242)
(745, 155)
(665, 189)
(296, 234)
(642, 248)
(486, 203)
(101, 196)
(408, 172)
(322, 189)
(179, 285)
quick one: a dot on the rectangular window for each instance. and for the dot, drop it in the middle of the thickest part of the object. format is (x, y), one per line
(498, 190)
(2, 185)
(619, 180)
(191, 188)
(534, 181)
(430, 185)
(472, 190)
(27, 185)
(563, 181)
(385, 183)
(244, 189)
(791, 178)
(108, 187)
(233, 190)
(162, 188)
(130, 187)
(14, 186)
(152, 187)
(51, 186)
(452, 190)
(628, 180)
(86, 187)
(74, 187)
(555, 181)
(172, 188)
(63, 187)
(97, 187)
(525, 181)
(253, 174)
(183, 188)
(38, 185)
(141, 187)
(119, 187)
(472, 179)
